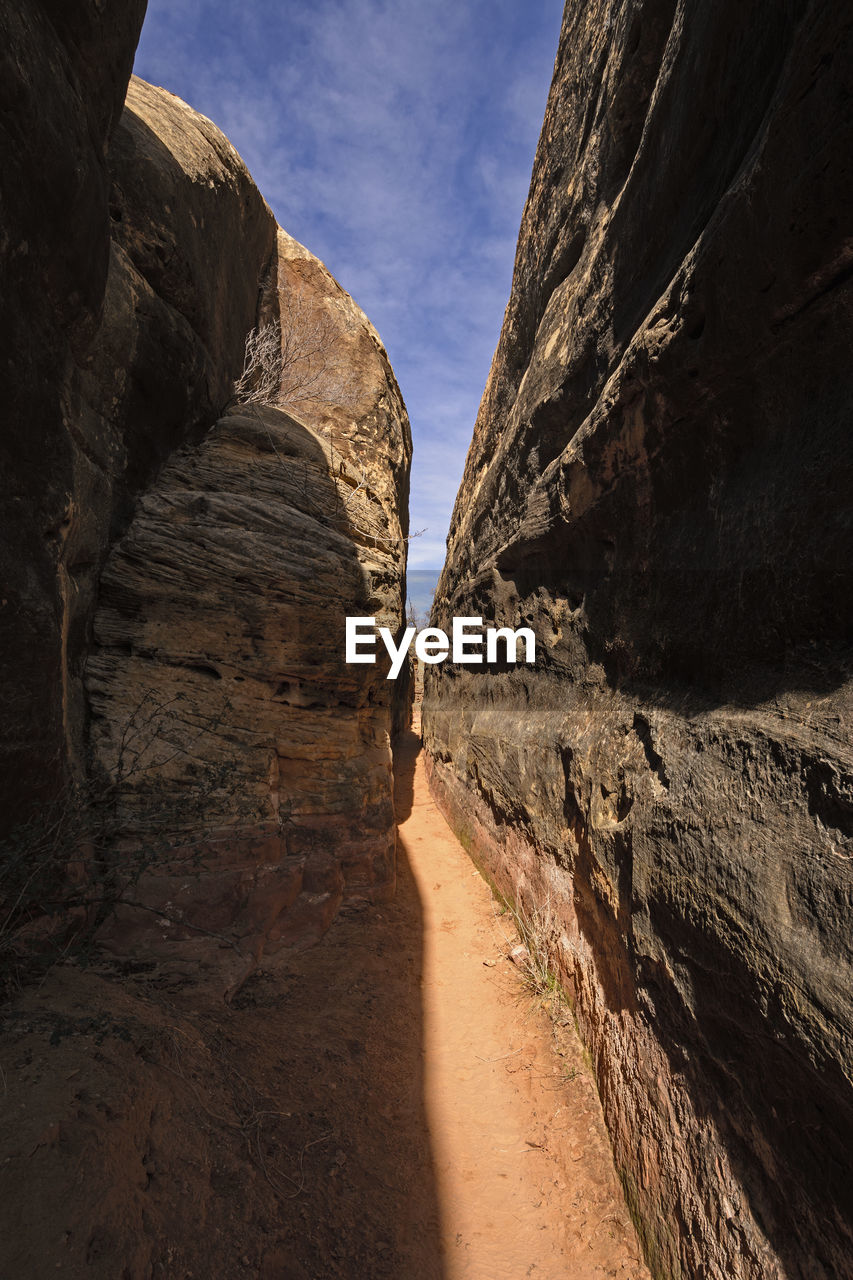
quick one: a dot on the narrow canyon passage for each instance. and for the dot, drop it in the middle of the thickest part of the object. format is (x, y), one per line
(523, 1170)
(390, 1104)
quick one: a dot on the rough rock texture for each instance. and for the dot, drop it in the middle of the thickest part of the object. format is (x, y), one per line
(191, 236)
(64, 69)
(222, 709)
(202, 571)
(659, 485)
(128, 311)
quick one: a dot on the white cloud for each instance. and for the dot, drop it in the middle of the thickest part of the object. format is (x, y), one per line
(395, 139)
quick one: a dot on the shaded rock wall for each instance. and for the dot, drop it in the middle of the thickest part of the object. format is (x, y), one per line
(125, 310)
(65, 68)
(191, 237)
(223, 716)
(221, 705)
(659, 485)
(175, 580)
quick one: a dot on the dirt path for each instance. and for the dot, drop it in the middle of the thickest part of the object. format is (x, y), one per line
(387, 1105)
(524, 1172)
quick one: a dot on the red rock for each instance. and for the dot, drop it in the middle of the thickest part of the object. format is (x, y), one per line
(659, 485)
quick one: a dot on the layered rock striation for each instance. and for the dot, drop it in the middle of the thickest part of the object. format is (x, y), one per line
(222, 712)
(658, 484)
(177, 566)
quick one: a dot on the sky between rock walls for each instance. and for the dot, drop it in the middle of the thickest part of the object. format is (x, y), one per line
(395, 139)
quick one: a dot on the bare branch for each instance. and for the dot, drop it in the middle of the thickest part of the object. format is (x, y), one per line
(295, 360)
(302, 359)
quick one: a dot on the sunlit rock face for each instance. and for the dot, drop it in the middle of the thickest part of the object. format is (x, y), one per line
(177, 567)
(658, 485)
(221, 710)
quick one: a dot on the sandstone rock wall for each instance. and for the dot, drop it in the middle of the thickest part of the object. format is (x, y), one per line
(659, 485)
(250, 768)
(191, 237)
(175, 571)
(222, 709)
(65, 68)
(132, 255)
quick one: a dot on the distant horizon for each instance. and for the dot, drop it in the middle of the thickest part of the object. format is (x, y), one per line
(420, 590)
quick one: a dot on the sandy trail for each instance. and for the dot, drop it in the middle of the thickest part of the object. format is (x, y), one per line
(523, 1169)
(390, 1104)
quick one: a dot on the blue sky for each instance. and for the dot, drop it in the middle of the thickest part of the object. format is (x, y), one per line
(395, 139)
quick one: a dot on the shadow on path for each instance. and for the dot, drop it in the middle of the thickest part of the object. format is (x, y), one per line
(284, 1136)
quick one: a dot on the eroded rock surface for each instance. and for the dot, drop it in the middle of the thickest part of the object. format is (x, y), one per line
(190, 237)
(659, 485)
(175, 572)
(128, 304)
(222, 712)
(65, 68)
(221, 703)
